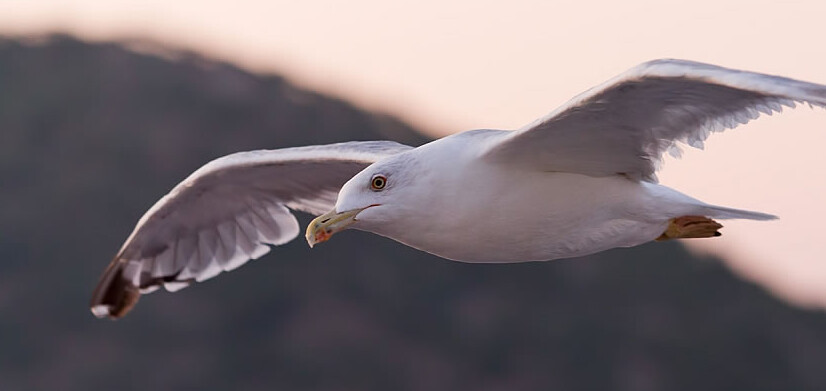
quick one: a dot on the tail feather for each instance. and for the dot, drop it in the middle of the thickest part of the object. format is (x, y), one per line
(720, 212)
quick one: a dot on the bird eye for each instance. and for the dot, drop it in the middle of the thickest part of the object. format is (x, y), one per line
(378, 182)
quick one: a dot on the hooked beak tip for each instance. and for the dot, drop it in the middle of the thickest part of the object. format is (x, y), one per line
(317, 234)
(325, 226)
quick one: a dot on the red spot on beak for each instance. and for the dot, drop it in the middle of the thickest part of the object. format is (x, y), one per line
(322, 236)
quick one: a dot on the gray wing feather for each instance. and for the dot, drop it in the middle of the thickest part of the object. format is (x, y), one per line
(625, 125)
(228, 212)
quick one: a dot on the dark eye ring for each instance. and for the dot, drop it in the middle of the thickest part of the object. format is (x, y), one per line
(378, 182)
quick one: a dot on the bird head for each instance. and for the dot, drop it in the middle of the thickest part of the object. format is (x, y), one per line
(368, 201)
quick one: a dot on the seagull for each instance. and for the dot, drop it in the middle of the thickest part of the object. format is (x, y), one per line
(575, 182)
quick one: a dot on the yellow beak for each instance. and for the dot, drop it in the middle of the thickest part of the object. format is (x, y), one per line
(323, 227)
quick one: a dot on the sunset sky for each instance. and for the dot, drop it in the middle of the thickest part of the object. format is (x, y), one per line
(448, 67)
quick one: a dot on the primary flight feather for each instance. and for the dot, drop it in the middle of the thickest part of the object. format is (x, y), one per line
(577, 181)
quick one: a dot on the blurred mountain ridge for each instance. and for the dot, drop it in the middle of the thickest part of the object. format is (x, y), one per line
(91, 135)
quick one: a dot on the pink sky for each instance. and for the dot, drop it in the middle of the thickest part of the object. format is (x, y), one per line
(448, 67)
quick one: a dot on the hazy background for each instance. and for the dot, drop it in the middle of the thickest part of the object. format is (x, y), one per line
(453, 66)
(92, 134)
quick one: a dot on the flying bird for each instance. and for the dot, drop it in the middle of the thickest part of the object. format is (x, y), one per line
(577, 181)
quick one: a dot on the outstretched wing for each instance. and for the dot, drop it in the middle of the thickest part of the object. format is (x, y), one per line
(625, 125)
(225, 214)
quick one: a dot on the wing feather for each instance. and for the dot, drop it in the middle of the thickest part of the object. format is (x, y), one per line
(228, 212)
(625, 125)
(206, 249)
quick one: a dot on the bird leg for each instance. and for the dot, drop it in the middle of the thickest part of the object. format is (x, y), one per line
(686, 227)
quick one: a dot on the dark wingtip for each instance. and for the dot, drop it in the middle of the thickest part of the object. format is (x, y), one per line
(114, 295)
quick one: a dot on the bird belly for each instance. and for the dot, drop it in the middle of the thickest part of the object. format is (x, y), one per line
(540, 216)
